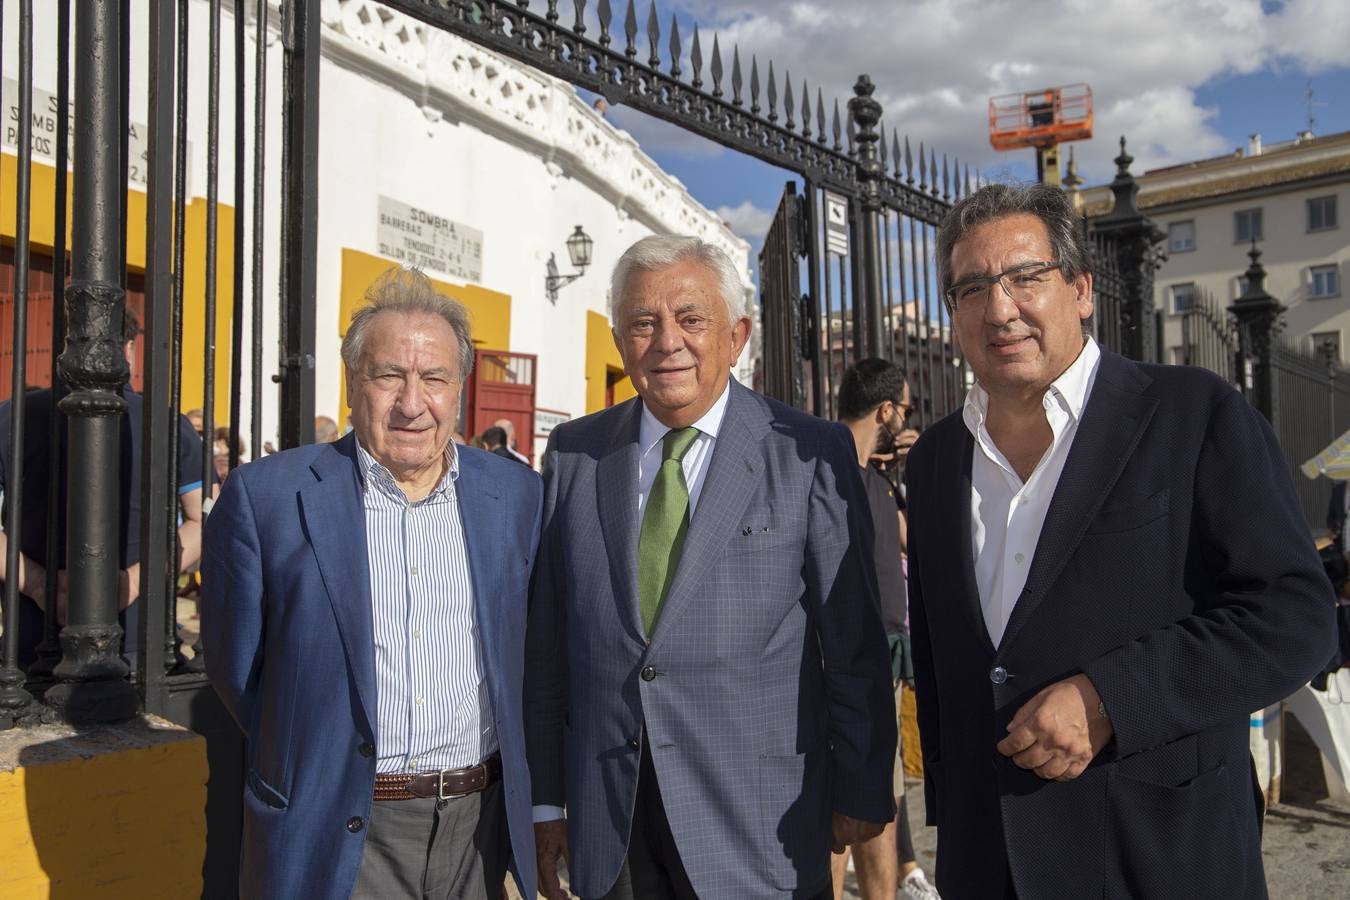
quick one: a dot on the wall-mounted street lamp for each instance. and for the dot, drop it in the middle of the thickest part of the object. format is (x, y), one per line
(579, 249)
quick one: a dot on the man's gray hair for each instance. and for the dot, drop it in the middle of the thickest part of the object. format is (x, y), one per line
(658, 251)
(407, 291)
(995, 201)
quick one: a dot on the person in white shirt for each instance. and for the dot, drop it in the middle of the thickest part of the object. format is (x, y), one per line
(1108, 570)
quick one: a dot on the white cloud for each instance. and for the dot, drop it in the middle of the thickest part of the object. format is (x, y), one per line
(747, 220)
(937, 62)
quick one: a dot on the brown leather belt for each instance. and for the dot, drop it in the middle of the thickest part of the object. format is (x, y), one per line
(447, 784)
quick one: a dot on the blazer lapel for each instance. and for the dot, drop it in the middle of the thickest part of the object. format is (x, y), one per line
(335, 525)
(733, 477)
(481, 518)
(616, 479)
(952, 545)
(1113, 422)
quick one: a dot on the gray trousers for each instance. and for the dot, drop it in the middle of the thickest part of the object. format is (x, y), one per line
(436, 849)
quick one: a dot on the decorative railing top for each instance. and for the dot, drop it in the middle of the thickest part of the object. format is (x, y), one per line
(450, 74)
(783, 127)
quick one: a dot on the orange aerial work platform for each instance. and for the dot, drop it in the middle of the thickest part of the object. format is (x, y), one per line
(1041, 118)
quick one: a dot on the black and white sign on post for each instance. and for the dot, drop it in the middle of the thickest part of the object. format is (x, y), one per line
(418, 237)
(836, 224)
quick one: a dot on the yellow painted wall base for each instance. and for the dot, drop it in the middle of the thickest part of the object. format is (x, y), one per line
(110, 812)
(909, 734)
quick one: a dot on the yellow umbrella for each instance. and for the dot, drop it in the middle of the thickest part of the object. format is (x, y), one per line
(1333, 462)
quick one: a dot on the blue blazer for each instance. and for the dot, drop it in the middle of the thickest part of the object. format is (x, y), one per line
(288, 635)
(1175, 569)
(765, 692)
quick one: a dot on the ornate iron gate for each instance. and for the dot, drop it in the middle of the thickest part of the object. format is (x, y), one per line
(783, 307)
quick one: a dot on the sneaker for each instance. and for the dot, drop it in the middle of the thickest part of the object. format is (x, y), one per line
(917, 887)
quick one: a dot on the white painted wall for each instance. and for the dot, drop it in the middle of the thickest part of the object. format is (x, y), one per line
(434, 121)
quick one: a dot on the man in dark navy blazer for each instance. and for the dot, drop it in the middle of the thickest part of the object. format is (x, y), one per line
(1108, 572)
(363, 616)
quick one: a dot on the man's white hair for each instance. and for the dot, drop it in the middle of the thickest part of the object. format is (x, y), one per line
(659, 251)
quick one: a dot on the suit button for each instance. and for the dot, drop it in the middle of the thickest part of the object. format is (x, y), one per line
(648, 673)
(355, 824)
(998, 675)
(366, 750)
(633, 744)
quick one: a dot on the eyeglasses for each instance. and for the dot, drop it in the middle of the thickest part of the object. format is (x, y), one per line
(1022, 283)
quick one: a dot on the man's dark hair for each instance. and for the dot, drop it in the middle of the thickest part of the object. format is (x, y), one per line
(868, 384)
(995, 201)
(494, 437)
(131, 326)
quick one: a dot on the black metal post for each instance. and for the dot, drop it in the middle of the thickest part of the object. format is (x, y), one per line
(92, 676)
(1258, 317)
(299, 218)
(814, 323)
(158, 567)
(49, 651)
(256, 317)
(169, 536)
(212, 235)
(868, 300)
(237, 310)
(14, 698)
(1133, 236)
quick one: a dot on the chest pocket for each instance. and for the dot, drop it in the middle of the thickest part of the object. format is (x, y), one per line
(1127, 515)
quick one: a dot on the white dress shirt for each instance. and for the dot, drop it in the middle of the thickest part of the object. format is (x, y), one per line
(1006, 513)
(695, 464)
(433, 707)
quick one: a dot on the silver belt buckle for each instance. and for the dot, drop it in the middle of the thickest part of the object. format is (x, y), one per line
(440, 787)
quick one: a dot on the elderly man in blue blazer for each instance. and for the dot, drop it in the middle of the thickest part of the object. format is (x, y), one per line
(363, 618)
(708, 689)
(1108, 572)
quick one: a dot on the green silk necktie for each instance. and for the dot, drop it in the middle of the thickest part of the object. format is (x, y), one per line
(664, 523)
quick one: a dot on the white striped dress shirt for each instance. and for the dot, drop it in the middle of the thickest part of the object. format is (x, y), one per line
(433, 707)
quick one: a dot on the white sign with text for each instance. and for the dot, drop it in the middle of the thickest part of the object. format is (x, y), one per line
(418, 237)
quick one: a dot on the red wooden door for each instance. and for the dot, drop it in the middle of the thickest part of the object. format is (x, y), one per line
(39, 343)
(502, 386)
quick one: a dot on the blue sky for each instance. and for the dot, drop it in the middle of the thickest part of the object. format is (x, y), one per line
(1183, 79)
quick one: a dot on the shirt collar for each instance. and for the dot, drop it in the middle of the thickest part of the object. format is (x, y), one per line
(1070, 390)
(652, 431)
(373, 472)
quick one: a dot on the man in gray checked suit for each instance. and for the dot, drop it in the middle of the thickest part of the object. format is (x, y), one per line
(707, 689)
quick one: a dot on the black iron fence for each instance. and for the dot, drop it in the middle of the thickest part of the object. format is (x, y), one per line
(1301, 389)
(1311, 395)
(1209, 338)
(105, 488)
(851, 270)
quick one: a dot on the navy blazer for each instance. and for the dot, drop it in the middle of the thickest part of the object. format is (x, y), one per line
(765, 692)
(287, 629)
(1176, 570)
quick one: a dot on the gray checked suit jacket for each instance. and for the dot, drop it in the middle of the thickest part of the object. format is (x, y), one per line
(765, 691)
